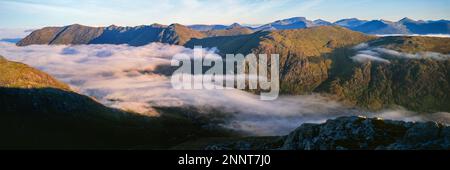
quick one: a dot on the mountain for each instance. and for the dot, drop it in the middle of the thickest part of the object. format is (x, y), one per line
(416, 77)
(39, 112)
(207, 27)
(350, 23)
(404, 26)
(382, 27)
(344, 133)
(18, 75)
(178, 34)
(426, 27)
(300, 48)
(234, 29)
(320, 22)
(319, 59)
(135, 36)
(292, 23)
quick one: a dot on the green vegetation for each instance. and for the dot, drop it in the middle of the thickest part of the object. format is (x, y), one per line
(18, 75)
(414, 44)
(238, 30)
(420, 85)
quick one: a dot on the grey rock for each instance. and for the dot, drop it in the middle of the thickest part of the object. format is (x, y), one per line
(355, 133)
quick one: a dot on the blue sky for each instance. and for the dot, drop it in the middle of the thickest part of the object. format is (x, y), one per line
(39, 13)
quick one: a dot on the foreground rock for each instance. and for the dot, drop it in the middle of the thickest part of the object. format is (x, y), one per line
(353, 133)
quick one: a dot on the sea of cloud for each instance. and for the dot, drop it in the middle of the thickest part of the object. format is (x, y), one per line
(377, 54)
(129, 78)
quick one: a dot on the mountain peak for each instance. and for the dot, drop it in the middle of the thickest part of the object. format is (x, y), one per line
(235, 25)
(321, 22)
(350, 22)
(294, 19)
(406, 20)
(76, 25)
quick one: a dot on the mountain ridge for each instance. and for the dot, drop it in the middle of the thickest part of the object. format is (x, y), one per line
(135, 36)
(319, 60)
(179, 34)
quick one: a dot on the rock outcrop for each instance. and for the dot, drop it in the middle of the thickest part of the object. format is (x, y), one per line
(368, 134)
(350, 133)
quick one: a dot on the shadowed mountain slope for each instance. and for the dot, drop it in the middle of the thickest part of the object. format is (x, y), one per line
(135, 36)
(38, 112)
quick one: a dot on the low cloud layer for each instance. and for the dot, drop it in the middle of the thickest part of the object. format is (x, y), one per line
(127, 77)
(366, 53)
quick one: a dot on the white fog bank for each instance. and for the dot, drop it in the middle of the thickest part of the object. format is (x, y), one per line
(128, 78)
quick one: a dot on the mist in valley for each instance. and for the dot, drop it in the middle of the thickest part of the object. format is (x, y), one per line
(130, 78)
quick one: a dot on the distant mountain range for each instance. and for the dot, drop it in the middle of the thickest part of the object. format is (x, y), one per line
(180, 34)
(404, 26)
(135, 36)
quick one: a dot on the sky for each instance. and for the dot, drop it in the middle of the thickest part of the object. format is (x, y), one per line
(40, 13)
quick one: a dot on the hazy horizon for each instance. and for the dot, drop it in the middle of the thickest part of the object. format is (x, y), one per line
(36, 14)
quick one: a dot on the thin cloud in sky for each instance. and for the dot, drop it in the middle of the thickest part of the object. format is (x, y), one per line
(34, 13)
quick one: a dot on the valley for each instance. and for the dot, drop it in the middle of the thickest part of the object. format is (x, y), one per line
(82, 87)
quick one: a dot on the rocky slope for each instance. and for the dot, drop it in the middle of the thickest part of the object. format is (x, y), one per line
(344, 133)
(320, 59)
(364, 133)
(135, 36)
(18, 75)
(231, 30)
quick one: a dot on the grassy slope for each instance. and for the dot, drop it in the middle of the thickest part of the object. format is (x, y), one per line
(318, 60)
(421, 85)
(415, 44)
(38, 112)
(18, 75)
(228, 32)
